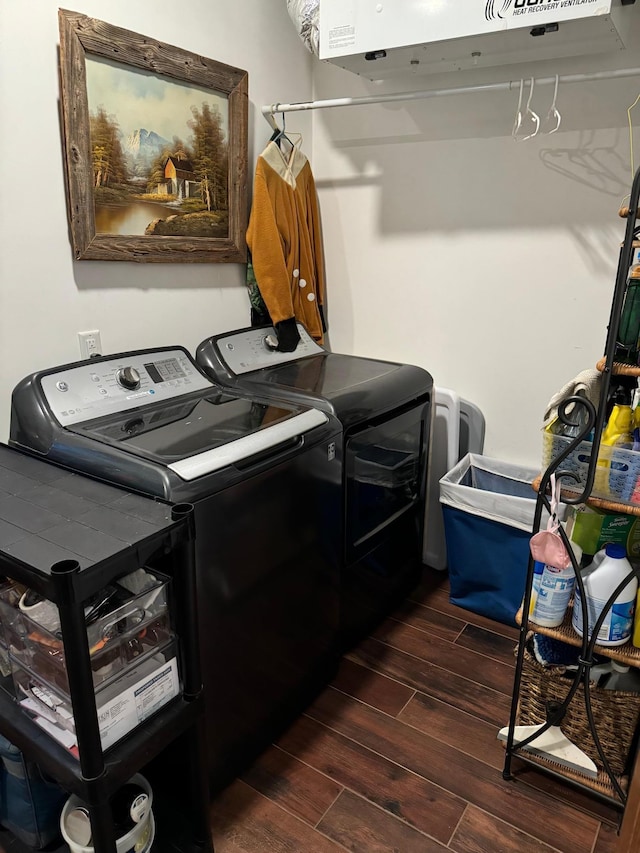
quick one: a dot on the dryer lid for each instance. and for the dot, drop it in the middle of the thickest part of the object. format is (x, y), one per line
(328, 375)
(353, 388)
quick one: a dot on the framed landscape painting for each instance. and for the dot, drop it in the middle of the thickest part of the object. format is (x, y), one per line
(155, 143)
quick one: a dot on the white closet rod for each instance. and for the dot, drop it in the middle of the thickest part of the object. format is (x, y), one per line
(268, 110)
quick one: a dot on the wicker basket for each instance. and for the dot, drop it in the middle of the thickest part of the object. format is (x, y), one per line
(615, 714)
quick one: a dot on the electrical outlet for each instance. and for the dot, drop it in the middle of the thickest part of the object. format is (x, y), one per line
(90, 343)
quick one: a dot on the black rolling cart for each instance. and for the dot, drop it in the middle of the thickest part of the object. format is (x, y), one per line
(601, 718)
(66, 537)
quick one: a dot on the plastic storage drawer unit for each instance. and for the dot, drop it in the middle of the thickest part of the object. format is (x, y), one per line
(116, 638)
(122, 703)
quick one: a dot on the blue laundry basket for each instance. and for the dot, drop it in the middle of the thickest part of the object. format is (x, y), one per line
(488, 508)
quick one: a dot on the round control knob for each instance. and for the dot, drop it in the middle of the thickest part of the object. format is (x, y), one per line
(128, 377)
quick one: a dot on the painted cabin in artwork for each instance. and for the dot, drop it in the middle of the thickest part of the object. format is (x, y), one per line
(180, 179)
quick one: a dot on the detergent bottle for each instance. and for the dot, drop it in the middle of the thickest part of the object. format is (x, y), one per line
(551, 591)
(618, 431)
(619, 428)
(600, 582)
(618, 676)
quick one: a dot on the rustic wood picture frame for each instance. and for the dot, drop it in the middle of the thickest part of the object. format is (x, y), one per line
(80, 36)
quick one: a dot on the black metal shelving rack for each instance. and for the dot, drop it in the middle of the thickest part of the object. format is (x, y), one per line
(95, 776)
(576, 494)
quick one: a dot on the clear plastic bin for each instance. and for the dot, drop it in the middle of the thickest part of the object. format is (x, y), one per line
(12, 634)
(44, 654)
(5, 666)
(617, 476)
(115, 639)
(122, 702)
(117, 616)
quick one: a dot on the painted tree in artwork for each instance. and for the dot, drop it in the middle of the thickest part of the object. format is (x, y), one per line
(109, 166)
(210, 156)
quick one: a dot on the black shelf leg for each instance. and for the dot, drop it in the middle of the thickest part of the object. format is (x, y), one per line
(184, 590)
(81, 689)
(102, 832)
(195, 740)
(83, 700)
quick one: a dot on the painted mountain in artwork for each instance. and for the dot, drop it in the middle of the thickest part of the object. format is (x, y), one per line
(141, 148)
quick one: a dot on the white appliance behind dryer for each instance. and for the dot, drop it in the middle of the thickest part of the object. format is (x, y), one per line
(458, 428)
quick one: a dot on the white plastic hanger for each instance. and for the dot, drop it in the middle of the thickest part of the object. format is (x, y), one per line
(530, 114)
(517, 124)
(553, 116)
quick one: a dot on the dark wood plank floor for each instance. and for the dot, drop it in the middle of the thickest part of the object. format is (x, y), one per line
(400, 754)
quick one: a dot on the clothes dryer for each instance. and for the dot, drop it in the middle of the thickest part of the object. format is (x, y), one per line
(384, 409)
(263, 477)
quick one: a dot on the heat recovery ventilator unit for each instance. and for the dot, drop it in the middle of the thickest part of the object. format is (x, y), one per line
(379, 39)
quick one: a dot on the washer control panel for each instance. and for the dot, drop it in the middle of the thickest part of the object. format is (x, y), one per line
(124, 382)
(253, 349)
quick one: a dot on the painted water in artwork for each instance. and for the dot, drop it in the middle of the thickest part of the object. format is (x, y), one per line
(159, 151)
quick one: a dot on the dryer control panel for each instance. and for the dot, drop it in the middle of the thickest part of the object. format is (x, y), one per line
(109, 385)
(252, 349)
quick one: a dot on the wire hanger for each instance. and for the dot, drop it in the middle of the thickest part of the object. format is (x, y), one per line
(279, 134)
(530, 114)
(278, 131)
(553, 115)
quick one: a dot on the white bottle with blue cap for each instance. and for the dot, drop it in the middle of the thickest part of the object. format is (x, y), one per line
(600, 582)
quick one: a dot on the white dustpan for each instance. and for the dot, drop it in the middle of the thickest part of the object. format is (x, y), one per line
(554, 746)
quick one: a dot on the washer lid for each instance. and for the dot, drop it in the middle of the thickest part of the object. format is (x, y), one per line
(201, 434)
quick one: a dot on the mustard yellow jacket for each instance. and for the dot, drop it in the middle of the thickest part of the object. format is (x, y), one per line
(285, 240)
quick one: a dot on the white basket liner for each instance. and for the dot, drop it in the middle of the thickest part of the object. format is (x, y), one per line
(506, 509)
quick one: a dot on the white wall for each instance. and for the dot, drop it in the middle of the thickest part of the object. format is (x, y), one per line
(489, 262)
(46, 297)
(448, 245)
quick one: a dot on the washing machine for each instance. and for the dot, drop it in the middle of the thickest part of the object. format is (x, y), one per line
(262, 477)
(384, 409)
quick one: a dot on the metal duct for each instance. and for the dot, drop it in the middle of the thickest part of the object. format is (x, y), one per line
(304, 14)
